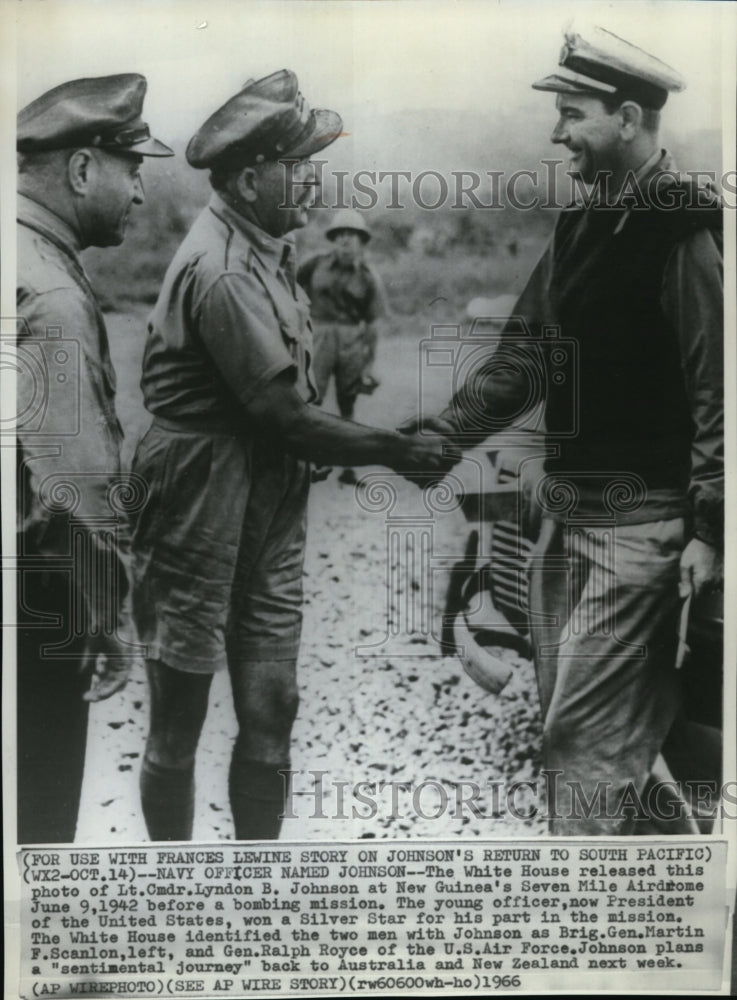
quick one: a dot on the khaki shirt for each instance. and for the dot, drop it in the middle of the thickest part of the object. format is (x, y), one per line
(229, 319)
(72, 498)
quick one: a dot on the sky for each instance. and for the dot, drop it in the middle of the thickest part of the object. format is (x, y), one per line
(362, 57)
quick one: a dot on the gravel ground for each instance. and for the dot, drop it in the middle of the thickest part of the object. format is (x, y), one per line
(402, 715)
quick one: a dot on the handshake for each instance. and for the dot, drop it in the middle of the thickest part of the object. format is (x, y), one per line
(426, 458)
(326, 440)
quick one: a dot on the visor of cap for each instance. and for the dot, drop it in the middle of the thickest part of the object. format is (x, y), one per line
(323, 127)
(567, 82)
(151, 147)
(136, 139)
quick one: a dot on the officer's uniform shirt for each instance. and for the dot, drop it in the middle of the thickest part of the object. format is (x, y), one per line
(219, 547)
(229, 319)
(69, 433)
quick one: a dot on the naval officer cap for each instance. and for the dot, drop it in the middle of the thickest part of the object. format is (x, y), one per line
(267, 120)
(600, 64)
(100, 111)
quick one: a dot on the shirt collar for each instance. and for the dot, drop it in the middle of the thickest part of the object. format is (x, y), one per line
(47, 221)
(274, 252)
(660, 160)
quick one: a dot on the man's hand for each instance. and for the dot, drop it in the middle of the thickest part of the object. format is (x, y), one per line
(702, 568)
(425, 460)
(112, 666)
(307, 432)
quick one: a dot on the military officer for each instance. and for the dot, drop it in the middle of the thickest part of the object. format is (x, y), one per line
(347, 303)
(80, 148)
(219, 545)
(633, 490)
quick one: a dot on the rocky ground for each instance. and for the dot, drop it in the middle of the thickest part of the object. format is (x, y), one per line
(378, 704)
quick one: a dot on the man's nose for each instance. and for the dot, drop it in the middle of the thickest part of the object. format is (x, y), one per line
(560, 132)
(139, 195)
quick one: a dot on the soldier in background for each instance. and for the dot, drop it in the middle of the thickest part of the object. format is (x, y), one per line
(348, 301)
(80, 149)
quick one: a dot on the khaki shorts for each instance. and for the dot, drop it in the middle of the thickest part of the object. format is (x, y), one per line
(218, 549)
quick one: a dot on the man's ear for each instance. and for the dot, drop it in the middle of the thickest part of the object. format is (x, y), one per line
(630, 117)
(247, 184)
(79, 168)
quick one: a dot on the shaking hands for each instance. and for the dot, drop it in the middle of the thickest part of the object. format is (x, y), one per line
(426, 457)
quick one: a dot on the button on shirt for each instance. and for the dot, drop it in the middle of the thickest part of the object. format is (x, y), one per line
(69, 436)
(229, 319)
(342, 293)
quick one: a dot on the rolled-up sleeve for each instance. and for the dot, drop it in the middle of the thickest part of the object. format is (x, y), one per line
(693, 300)
(237, 325)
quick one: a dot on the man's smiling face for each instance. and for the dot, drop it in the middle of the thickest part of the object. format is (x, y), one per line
(591, 133)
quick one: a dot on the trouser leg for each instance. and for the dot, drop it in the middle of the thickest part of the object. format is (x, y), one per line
(554, 590)
(52, 718)
(610, 686)
(351, 362)
(178, 710)
(324, 357)
(348, 374)
(346, 406)
(265, 699)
